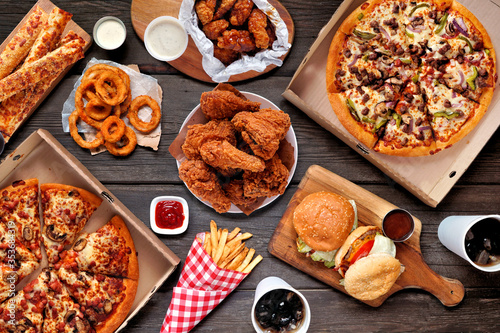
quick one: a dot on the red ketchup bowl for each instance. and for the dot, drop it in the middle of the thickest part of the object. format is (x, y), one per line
(169, 215)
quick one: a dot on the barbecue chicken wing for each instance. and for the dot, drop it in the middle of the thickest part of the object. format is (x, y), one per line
(224, 7)
(214, 29)
(205, 10)
(240, 12)
(262, 130)
(219, 104)
(237, 40)
(257, 23)
(203, 182)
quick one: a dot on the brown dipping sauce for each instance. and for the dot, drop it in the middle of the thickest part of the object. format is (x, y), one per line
(398, 225)
(482, 242)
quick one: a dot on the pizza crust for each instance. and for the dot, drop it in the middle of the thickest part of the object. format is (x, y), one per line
(409, 151)
(350, 124)
(334, 55)
(121, 311)
(462, 10)
(133, 264)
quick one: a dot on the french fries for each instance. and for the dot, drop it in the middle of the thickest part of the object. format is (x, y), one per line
(228, 250)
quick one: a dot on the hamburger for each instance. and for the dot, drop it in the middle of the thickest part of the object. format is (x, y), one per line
(367, 262)
(323, 220)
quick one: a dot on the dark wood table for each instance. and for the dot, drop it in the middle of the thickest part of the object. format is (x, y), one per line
(145, 174)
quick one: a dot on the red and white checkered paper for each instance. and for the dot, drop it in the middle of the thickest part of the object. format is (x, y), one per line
(201, 287)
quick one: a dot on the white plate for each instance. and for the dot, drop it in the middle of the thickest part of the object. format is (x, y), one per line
(290, 137)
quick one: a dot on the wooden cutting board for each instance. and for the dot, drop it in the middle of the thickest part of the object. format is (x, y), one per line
(144, 11)
(371, 210)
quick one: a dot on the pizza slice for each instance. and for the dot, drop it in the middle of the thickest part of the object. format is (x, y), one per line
(471, 75)
(363, 112)
(408, 133)
(19, 206)
(66, 209)
(451, 115)
(24, 312)
(104, 300)
(420, 19)
(110, 251)
(16, 261)
(458, 34)
(62, 314)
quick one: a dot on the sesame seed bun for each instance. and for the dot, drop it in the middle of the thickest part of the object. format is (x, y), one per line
(372, 276)
(323, 220)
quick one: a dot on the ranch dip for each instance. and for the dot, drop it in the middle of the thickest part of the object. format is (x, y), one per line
(109, 33)
(165, 38)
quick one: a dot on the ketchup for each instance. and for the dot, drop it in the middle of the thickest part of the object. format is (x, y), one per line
(169, 214)
(398, 225)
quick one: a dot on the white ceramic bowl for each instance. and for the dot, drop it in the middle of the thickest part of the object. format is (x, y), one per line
(116, 43)
(152, 214)
(169, 34)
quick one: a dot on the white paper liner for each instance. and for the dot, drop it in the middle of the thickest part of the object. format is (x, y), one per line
(213, 66)
(140, 84)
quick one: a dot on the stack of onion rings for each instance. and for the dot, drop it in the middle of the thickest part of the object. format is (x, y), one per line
(106, 90)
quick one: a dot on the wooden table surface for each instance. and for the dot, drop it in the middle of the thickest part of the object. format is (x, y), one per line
(137, 179)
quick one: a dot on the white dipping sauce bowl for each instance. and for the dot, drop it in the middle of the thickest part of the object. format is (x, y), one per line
(110, 33)
(165, 38)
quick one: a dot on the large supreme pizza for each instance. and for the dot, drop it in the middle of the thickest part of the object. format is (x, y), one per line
(410, 78)
(87, 288)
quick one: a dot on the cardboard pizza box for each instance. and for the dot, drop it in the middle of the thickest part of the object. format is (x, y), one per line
(42, 156)
(429, 178)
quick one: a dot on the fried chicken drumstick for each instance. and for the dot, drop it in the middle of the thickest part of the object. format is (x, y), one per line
(223, 155)
(262, 130)
(203, 182)
(220, 104)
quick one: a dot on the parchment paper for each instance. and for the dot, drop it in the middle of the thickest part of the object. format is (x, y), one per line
(216, 69)
(140, 84)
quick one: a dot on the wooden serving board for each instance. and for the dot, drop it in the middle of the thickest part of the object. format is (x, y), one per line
(47, 6)
(144, 11)
(371, 210)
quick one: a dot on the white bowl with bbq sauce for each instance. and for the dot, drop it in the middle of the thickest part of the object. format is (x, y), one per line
(109, 33)
(165, 38)
(169, 215)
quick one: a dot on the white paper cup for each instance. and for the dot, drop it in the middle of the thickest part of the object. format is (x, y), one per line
(272, 283)
(452, 231)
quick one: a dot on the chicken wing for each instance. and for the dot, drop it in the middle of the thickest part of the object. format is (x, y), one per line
(224, 7)
(235, 193)
(220, 104)
(223, 155)
(214, 29)
(257, 23)
(199, 134)
(237, 40)
(270, 182)
(203, 182)
(262, 130)
(240, 12)
(226, 56)
(205, 10)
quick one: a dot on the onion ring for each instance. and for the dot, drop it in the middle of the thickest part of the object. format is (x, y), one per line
(107, 95)
(73, 118)
(81, 109)
(97, 109)
(138, 124)
(93, 73)
(113, 129)
(129, 140)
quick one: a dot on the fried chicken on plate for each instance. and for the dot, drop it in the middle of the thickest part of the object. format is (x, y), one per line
(262, 130)
(203, 182)
(223, 155)
(220, 104)
(234, 190)
(268, 183)
(199, 134)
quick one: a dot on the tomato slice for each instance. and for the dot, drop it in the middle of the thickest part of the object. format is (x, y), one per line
(362, 251)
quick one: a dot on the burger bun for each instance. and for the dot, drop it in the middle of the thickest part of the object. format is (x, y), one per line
(372, 276)
(323, 220)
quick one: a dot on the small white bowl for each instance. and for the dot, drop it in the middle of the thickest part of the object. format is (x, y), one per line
(152, 214)
(165, 38)
(117, 32)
